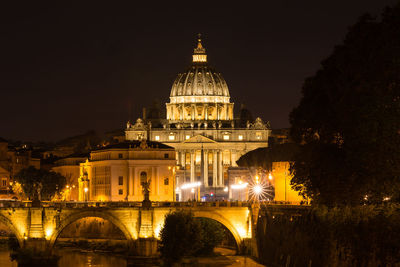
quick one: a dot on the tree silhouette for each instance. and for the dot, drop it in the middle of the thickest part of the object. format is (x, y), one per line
(348, 118)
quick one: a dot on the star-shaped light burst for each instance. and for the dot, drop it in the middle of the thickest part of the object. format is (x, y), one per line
(260, 188)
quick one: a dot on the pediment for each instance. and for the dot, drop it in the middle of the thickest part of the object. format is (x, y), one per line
(199, 139)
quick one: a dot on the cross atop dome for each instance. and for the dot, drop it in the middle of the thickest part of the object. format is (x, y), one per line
(199, 54)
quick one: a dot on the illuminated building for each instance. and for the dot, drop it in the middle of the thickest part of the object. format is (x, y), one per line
(69, 168)
(281, 181)
(200, 125)
(116, 172)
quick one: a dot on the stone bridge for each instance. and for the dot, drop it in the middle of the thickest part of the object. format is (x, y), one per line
(39, 227)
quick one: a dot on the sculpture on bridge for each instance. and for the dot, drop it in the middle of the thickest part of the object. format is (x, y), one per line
(37, 196)
(146, 192)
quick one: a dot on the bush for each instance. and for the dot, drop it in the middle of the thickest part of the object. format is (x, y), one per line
(180, 236)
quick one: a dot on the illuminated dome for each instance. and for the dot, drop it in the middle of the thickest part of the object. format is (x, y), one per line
(200, 83)
(200, 93)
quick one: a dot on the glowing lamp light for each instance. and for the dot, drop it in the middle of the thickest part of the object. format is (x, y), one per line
(190, 185)
(192, 190)
(86, 189)
(212, 194)
(270, 176)
(257, 189)
(239, 186)
(226, 189)
(49, 231)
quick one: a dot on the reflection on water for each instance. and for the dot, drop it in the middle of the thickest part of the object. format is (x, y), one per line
(81, 259)
(74, 258)
(5, 259)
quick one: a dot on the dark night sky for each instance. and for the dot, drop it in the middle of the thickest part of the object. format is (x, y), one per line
(65, 69)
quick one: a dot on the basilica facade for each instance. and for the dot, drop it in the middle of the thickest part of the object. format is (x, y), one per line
(201, 127)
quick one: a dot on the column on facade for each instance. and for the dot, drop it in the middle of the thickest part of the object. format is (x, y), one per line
(215, 169)
(131, 186)
(192, 166)
(136, 182)
(157, 180)
(192, 109)
(183, 158)
(233, 158)
(205, 166)
(216, 107)
(220, 169)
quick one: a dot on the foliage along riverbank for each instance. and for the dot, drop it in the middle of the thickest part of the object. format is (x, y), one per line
(348, 236)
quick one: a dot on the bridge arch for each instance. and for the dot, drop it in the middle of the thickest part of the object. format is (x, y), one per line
(90, 213)
(10, 225)
(222, 220)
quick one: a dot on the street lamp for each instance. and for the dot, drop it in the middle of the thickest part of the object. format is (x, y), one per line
(257, 189)
(260, 187)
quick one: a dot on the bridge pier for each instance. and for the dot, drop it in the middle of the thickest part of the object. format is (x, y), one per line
(250, 244)
(37, 244)
(145, 247)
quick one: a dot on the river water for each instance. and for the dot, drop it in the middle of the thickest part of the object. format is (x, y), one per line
(74, 258)
(77, 258)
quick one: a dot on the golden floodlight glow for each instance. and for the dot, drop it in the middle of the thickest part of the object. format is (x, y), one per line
(49, 231)
(270, 176)
(86, 189)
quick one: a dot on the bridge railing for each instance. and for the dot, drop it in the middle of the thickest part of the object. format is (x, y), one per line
(127, 204)
(201, 204)
(120, 204)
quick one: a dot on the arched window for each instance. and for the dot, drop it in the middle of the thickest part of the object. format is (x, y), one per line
(143, 177)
